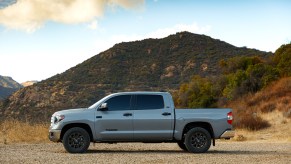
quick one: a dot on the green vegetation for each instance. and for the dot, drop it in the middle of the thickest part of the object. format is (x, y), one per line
(242, 76)
(197, 93)
(283, 59)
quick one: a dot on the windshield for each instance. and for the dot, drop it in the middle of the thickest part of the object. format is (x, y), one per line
(98, 103)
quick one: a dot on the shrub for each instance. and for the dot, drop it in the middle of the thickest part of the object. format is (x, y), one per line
(238, 63)
(283, 59)
(198, 93)
(268, 108)
(251, 122)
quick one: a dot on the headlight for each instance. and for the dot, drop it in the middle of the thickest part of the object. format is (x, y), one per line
(57, 118)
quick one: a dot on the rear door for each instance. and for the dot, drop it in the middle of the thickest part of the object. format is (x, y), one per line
(153, 118)
(116, 123)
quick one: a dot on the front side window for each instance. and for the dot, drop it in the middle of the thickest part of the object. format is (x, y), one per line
(121, 102)
(147, 102)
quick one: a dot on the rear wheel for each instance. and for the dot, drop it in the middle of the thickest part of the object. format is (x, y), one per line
(76, 140)
(197, 140)
(182, 145)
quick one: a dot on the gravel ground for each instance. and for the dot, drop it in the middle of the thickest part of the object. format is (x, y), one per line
(223, 152)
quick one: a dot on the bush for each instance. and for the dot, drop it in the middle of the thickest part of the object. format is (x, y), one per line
(250, 122)
(260, 76)
(268, 108)
(238, 63)
(234, 82)
(283, 59)
(198, 93)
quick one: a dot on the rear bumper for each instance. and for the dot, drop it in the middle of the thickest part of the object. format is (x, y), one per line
(228, 134)
(54, 135)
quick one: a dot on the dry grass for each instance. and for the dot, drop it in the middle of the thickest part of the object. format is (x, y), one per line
(274, 97)
(279, 131)
(239, 137)
(14, 131)
(248, 110)
(265, 115)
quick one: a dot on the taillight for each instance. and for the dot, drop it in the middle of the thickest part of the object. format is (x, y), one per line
(229, 118)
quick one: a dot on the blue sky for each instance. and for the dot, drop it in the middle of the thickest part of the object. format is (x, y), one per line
(36, 45)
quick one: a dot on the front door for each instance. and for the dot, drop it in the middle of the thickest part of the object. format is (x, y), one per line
(115, 124)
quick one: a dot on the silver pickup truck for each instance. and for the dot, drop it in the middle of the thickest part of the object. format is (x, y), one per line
(148, 117)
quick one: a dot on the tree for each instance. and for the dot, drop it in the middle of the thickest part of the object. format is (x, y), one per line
(198, 93)
(238, 63)
(282, 59)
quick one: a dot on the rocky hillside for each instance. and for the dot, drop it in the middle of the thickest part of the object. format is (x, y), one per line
(8, 82)
(8, 86)
(150, 64)
(29, 83)
(6, 92)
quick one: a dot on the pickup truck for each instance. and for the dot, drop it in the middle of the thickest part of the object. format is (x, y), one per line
(148, 117)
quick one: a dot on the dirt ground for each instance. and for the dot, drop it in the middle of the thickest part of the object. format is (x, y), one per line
(223, 152)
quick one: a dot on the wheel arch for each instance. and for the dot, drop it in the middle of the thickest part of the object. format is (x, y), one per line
(80, 125)
(204, 125)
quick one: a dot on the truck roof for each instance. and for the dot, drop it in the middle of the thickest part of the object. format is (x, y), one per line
(138, 92)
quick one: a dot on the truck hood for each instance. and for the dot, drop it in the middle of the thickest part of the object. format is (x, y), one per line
(70, 111)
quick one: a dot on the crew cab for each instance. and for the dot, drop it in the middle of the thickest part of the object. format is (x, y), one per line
(148, 117)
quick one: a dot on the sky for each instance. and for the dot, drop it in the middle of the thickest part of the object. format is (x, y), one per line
(41, 38)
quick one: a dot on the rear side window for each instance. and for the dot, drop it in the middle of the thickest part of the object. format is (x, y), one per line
(147, 102)
(121, 102)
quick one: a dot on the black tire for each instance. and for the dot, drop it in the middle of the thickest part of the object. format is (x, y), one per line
(76, 140)
(197, 140)
(182, 145)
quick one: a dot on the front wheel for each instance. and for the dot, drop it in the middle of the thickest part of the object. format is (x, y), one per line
(76, 140)
(197, 140)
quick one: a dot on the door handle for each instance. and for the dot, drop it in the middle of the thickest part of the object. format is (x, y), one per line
(127, 114)
(166, 114)
(98, 116)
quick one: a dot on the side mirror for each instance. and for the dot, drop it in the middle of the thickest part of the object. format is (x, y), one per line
(103, 107)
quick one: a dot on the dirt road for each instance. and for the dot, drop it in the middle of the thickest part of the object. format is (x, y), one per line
(223, 152)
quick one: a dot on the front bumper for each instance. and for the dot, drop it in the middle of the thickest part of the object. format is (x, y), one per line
(55, 135)
(228, 134)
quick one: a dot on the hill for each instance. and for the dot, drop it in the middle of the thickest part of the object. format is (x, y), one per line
(8, 82)
(150, 64)
(8, 86)
(269, 110)
(29, 83)
(6, 92)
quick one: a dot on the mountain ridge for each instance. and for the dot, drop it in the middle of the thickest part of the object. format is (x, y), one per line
(29, 83)
(8, 82)
(8, 86)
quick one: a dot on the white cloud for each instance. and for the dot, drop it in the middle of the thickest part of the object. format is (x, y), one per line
(29, 15)
(93, 25)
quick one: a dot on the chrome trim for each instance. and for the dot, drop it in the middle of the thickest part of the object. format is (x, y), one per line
(54, 135)
(228, 134)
